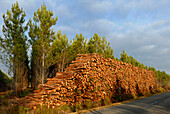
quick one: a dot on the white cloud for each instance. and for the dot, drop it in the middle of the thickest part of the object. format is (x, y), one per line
(159, 24)
(63, 12)
(68, 29)
(148, 48)
(96, 5)
(151, 4)
(164, 51)
(29, 4)
(101, 26)
(143, 10)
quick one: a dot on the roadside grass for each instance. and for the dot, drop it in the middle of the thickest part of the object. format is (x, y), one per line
(6, 94)
(9, 103)
(12, 107)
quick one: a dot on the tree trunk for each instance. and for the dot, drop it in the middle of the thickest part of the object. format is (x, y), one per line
(14, 77)
(59, 65)
(43, 56)
(14, 70)
(43, 59)
(62, 69)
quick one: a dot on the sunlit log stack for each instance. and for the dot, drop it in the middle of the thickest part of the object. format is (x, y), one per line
(92, 77)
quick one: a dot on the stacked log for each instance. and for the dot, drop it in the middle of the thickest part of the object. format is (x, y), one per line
(91, 77)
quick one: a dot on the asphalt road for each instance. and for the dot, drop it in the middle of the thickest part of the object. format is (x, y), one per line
(157, 104)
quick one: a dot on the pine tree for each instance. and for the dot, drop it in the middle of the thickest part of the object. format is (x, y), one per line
(96, 44)
(42, 36)
(132, 60)
(14, 46)
(59, 50)
(108, 53)
(123, 56)
(90, 46)
(58, 57)
(78, 46)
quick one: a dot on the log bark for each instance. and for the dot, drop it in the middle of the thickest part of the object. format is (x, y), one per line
(91, 77)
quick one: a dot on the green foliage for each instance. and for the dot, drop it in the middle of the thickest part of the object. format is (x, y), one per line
(5, 81)
(65, 107)
(100, 45)
(59, 54)
(88, 104)
(118, 98)
(102, 102)
(22, 110)
(78, 107)
(161, 90)
(73, 108)
(162, 77)
(135, 96)
(129, 59)
(14, 47)
(78, 46)
(107, 100)
(124, 57)
(13, 31)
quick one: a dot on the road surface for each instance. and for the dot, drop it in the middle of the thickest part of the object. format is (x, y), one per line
(157, 104)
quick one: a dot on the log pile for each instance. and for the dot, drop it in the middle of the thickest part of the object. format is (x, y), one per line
(91, 77)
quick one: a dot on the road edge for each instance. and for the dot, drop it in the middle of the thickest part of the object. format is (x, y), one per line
(114, 104)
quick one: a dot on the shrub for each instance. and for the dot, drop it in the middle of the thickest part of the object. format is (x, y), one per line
(5, 82)
(107, 100)
(24, 93)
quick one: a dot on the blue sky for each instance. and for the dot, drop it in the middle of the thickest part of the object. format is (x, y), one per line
(141, 27)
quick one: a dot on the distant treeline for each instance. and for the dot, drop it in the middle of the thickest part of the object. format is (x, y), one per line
(162, 77)
(51, 52)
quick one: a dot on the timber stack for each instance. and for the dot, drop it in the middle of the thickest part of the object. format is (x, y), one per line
(92, 77)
